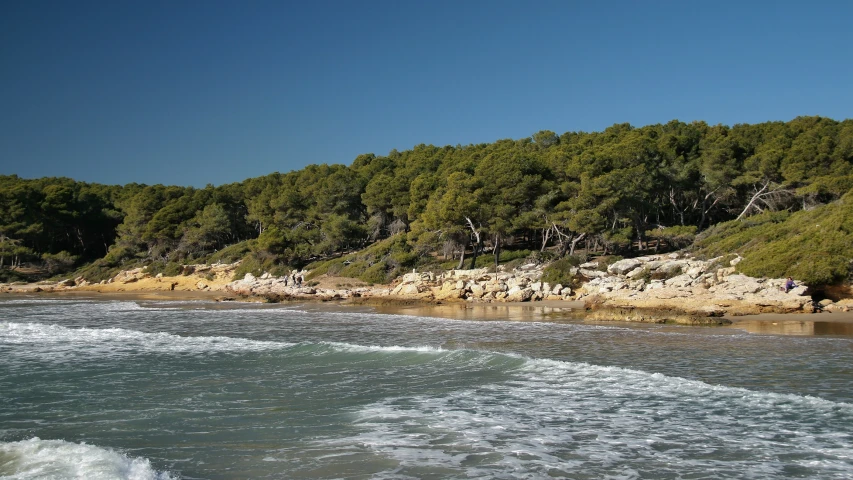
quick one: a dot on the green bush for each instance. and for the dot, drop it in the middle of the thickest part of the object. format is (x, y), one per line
(120, 255)
(257, 264)
(607, 260)
(560, 272)
(168, 269)
(378, 263)
(814, 246)
(539, 258)
(58, 262)
(661, 275)
(514, 263)
(376, 273)
(11, 276)
(231, 253)
(100, 269)
(679, 236)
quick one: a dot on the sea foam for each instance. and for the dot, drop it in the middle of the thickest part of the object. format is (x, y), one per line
(555, 417)
(58, 459)
(58, 340)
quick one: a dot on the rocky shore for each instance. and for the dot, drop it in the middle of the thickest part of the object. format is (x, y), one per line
(670, 288)
(657, 288)
(478, 285)
(701, 287)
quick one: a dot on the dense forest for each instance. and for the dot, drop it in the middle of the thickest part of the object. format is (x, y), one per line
(620, 191)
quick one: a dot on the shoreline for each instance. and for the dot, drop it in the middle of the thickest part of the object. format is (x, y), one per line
(556, 311)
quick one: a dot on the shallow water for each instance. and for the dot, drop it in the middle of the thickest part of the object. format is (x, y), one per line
(94, 389)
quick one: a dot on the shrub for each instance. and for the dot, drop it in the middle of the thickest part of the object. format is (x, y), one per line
(515, 263)
(98, 270)
(169, 269)
(665, 275)
(679, 236)
(231, 253)
(539, 258)
(560, 272)
(58, 262)
(378, 263)
(606, 261)
(257, 264)
(11, 276)
(814, 246)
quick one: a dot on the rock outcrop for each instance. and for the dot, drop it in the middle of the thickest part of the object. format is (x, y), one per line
(670, 287)
(520, 285)
(479, 285)
(701, 288)
(281, 288)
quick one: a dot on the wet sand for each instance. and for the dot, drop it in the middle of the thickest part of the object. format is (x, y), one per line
(835, 323)
(832, 324)
(131, 295)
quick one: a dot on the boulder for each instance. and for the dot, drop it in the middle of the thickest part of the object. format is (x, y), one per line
(449, 294)
(738, 284)
(680, 281)
(622, 267)
(592, 273)
(637, 272)
(671, 266)
(519, 295)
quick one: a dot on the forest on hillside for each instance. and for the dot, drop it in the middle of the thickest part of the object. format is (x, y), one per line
(618, 191)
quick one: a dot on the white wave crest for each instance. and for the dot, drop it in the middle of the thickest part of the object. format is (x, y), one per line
(353, 348)
(59, 340)
(58, 459)
(553, 417)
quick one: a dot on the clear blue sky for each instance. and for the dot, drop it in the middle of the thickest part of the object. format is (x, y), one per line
(191, 92)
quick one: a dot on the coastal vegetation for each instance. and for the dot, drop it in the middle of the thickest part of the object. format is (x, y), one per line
(777, 193)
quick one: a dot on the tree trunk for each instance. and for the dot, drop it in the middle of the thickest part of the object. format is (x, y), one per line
(476, 234)
(752, 200)
(497, 252)
(461, 259)
(476, 251)
(546, 235)
(575, 242)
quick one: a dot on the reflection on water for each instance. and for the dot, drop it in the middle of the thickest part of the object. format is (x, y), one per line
(793, 327)
(833, 328)
(766, 324)
(487, 311)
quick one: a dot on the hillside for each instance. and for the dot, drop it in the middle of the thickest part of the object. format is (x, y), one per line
(775, 192)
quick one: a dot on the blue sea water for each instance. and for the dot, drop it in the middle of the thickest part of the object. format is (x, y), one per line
(195, 390)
